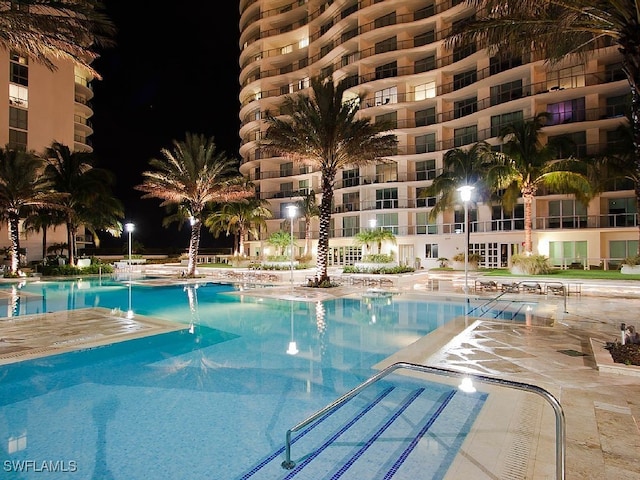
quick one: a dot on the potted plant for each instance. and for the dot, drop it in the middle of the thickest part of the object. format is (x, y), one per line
(474, 259)
(631, 265)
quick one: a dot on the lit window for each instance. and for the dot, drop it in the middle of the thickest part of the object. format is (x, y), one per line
(18, 95)
(286, 49)
(303, 43)
(425, 90)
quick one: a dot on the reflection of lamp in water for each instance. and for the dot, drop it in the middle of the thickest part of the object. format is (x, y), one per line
(292, 210)
(130, 311)
(293, 347)
(466, 385)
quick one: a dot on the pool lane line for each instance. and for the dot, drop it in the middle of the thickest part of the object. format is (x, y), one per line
(414, 443)
(281, 450)
(335, 436)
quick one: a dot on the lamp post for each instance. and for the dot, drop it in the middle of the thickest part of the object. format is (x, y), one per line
(292, 210)
(465, 195)
(129, 228)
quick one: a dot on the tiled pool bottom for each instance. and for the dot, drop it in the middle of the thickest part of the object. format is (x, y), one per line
(173, 406)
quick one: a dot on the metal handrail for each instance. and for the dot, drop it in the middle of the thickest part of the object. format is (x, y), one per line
(555, 404)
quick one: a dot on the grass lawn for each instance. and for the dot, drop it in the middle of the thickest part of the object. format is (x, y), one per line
(573, 274)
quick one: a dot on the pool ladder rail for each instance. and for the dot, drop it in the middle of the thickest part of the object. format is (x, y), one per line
(466, 384)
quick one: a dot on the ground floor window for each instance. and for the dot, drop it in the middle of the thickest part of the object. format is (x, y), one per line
(569, 254)
(347, 255)
(431, 250)
(621, 249)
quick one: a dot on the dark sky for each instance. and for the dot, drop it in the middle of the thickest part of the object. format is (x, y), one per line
(174, 70)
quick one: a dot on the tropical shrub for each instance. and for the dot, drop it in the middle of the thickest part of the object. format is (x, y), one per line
(531, 264)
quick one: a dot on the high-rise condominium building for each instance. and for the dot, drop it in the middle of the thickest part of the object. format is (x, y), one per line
(42, 106)
(392, 54)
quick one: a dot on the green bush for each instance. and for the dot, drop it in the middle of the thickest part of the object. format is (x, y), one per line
(531, 264)
(72, 270)
(379, 270)
(473, 257)
(377, 258)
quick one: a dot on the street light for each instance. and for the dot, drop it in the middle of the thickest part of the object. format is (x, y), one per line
(465, 195)
(292, 210)
(372, 223)
(129, 228)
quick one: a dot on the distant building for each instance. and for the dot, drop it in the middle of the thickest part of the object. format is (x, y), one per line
(43, 106)
(393, 55)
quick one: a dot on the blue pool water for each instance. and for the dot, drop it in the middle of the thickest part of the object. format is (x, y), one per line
(211, 404)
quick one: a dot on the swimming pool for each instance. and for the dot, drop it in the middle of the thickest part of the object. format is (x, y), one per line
(214, 400)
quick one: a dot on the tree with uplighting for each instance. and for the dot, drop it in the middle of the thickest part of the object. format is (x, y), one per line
(324, 131)
(192, 176)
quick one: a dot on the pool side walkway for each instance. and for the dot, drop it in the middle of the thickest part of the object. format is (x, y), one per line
(562, 352)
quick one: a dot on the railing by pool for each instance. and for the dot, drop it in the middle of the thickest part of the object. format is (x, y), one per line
(560, 425)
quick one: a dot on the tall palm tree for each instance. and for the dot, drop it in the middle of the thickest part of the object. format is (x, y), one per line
(558, 29)
(240, 219)
(88, 199)
(526, 164)
(323, 130)
(22, 186)
(308, 207)
(191, 176)
(48, 29)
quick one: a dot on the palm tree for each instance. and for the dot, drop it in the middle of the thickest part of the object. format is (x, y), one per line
(22, 187)
(461, 166)
(41, 220)
(377, 236)
(190, 177)
(88, 199)
(558, 29)
(308, 207)
(364, 237)
(280, 240)
(526, 165)
(48, 30)
(323, 131)
(382, 235)
(240, 218)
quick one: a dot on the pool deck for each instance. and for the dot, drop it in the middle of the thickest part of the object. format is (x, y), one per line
(561, 352)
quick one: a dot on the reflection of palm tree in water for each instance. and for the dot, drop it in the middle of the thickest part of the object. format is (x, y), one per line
(192, 295)
(197, 364)
(14, 302)
(103, 412)
(325, 359)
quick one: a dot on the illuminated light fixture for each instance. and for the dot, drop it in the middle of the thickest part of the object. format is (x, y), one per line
(466, 385)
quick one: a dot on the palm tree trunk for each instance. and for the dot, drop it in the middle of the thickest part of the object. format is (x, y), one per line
(44, 241)
(194, 245)
(240, 241)
(70, 236)
(635, 125)
(631, 66)
(528, 243)
(325, 223)
(14, 248)
(307, 236)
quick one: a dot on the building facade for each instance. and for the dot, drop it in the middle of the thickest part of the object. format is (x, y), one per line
(42, 106)
(393, 56)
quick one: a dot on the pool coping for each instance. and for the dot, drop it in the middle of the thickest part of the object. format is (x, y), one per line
(39, 335)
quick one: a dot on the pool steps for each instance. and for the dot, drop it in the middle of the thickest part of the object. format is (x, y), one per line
(399, 432)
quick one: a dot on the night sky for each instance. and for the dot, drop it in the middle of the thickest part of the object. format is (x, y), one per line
(174, 70)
